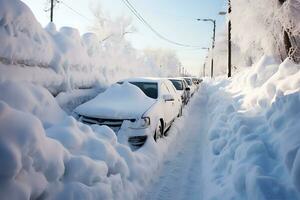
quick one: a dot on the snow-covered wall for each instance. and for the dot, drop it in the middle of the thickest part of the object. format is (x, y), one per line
(31, 53)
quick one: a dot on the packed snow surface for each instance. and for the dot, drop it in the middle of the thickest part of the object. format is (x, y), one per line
(120, 101)
(246, 143)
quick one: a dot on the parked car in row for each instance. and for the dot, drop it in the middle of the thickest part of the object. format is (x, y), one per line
(196, 81)
(191, 85)
(183, 89)
(136, 109)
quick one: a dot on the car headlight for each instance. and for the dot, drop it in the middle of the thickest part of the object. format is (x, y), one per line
(144, 122)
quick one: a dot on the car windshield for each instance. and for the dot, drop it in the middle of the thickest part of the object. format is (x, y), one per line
(177, 84)
(189, 82)
(150, 89)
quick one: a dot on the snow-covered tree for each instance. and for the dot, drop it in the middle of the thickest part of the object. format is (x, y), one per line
(112, 38)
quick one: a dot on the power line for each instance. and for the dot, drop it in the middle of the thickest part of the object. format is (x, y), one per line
(75, 11)
(141, 19)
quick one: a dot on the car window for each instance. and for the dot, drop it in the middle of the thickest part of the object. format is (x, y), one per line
(150, 89)
(177, 84)
(189, 82)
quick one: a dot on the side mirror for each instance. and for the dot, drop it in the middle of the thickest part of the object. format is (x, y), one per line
(187, 89)
(168, 97)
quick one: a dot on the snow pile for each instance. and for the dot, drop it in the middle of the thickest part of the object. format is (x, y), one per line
(69, 100)
(21, 36)
(32, 99)
(28, 159)
(46, 154)
(254, 139)
(63, 59)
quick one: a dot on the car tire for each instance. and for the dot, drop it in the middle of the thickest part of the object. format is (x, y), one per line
(159, 131)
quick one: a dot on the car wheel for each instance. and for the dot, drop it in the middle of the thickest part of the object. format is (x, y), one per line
(158, 131)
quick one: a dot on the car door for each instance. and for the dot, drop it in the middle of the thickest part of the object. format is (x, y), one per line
(186, 92)
(168, 105)
(176, 105)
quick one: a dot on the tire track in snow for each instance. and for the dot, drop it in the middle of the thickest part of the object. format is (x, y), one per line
(181, 176)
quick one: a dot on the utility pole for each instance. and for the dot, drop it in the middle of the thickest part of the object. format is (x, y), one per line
(51, 10)
(229, 39)
(213, 44)
(212, 49)
(204, 63)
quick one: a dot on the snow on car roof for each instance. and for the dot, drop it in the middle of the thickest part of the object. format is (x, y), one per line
(117, 102)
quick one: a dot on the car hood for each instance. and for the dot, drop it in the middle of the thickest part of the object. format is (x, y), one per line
(120, 101)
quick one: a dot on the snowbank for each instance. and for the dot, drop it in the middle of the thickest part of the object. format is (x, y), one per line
(46, 154)
(254, 139)
(32, 99)
(63, 59)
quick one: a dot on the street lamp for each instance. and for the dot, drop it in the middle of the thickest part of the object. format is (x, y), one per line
(204, 63)
(229, 37)
(213, 42)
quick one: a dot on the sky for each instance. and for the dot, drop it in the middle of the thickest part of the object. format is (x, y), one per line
(174, 19)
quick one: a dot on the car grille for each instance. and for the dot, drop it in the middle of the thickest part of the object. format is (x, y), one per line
(114, 123)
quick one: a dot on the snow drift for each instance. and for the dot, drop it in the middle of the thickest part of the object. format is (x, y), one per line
(63, 59)
(254, 138)
(46, 154)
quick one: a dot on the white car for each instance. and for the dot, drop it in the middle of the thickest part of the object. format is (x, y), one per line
(135, 109)
(191, 85)
(182, 88)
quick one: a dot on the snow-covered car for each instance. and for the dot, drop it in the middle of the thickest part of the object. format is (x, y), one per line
(182, 88)
(135, 109)
(197, 81)
(191, 85)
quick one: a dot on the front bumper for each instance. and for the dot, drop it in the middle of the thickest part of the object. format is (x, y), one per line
(137, 141)
(134, 137)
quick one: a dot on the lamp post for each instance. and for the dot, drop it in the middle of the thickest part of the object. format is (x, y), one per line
(213, 43)
(51, 11)
(204, 63)
(229, 38)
